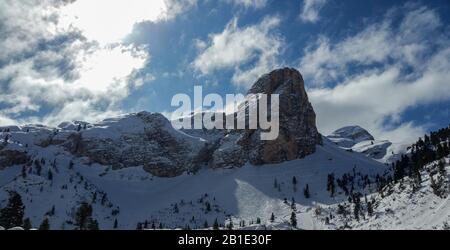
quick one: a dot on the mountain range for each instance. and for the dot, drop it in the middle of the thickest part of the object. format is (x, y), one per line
(136, 171)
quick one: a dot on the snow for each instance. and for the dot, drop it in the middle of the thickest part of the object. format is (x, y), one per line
(132, 195)
(242, 193)
(357, 139)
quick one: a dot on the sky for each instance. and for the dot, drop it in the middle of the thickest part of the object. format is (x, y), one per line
(380, 64)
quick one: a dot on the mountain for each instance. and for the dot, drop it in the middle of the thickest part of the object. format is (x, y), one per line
(136, 171)
(350, 136)
(358, 139)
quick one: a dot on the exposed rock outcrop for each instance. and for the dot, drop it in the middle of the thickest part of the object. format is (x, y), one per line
(298, 135)
(148, 140)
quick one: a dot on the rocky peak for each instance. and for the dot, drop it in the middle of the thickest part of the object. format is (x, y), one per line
(298, 135)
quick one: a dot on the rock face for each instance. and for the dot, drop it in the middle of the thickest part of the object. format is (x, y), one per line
(10, 158)
(298, 135)
(143, 139)
(148, 140)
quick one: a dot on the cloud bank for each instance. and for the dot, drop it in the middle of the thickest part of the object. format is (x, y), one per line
(390, 66)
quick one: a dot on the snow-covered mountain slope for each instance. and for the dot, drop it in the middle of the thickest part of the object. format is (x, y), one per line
(349, 136)
(400, 206)
(132, 195)
(357, 139)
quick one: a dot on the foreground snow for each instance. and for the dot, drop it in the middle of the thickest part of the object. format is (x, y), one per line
(132, 195)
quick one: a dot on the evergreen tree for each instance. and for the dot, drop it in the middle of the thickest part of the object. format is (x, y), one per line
(27, 224)
(216, 225)
(205, 225)
(230, 225)
(330, 184)
(294, 183)
(369, 208)
(52, 211)
(272, 218)
(116, 224)
(45, 225)
(294, 219)
(24, 172)
(50, 175)
(12, 214)
(258, 220)
(139, 226)
(83, 216)
(306, 192)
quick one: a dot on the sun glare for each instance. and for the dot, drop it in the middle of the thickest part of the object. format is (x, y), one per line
(109, 21)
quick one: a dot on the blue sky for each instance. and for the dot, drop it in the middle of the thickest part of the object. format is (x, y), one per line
(383, 65)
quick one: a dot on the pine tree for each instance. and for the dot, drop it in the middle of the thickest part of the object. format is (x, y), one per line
(116, 224)
(27, 224)
(45, 225)
(50, 175)
(306, 192)
(272, 218)
(83, 216)
(369, 208)
(205, 225)
(216, 225)
(294, 220)
(52, 211)
(24, 172)
(258, 220)
(12, 214)
(139, 226)
(330, 185)
(294, 183)
(230, 225)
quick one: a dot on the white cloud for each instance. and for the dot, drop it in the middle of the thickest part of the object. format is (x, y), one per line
(257, 4)
(382, 71)
(311, 9)
(65, 60)
(237, 47)
(107, 21)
